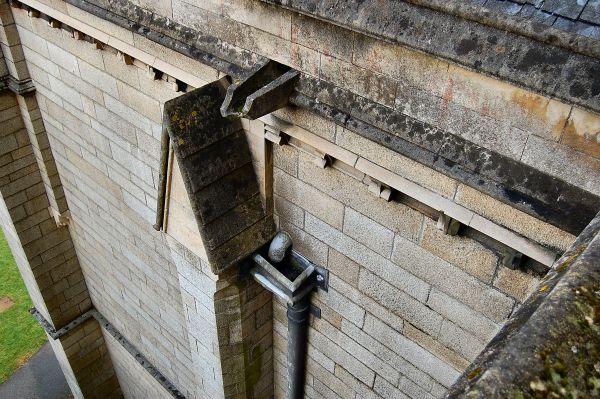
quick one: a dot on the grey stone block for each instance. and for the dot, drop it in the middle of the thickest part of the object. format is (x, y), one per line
(399, 302)
(566, 8)
(382, 267)
(462, 315)
(228, 192)
(368, 232)
(406, 348)
(452, 280)
(591, 12)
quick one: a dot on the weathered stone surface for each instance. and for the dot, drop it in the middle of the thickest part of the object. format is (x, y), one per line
(216, 166)
(265, 90)
(551, 344)
(582, 132)
(505, 54)
(395, 216)
(325, 38)
(523, 187)
(591, 12)
(565, 8)
(375, 263)
(516, 283)
(582, 170)
(216, 161)
(309, 198)
(404, 347)
(368, 232)
(452, 280)
(228, 192)
(228, 224)
(461, 251)
(438, 348)
(499, 177)
(512, 218)
(196, 124)
(343, 267)
(462, 315)
(288, 211)
(260, 15)
(397, 163)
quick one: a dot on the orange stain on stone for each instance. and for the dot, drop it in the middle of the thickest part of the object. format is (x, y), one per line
(540, 108)
(446, 99)
(582, 132)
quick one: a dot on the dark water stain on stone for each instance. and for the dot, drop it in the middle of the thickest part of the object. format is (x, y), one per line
(465, 46)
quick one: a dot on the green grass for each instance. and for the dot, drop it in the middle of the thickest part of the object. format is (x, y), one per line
(20, 334)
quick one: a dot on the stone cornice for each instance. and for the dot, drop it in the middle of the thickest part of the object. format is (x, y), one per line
(537, 193)
(540, 58)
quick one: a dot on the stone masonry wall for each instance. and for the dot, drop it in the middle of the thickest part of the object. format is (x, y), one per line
(408, 307)
(44, 254)
(539, 131)
(104, 136)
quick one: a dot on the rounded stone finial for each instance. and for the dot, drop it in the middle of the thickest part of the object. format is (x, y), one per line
(279, 247)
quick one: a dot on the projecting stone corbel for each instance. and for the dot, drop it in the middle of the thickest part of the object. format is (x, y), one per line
(153, 73)
(77, 35)
(378, 189)
(448, 225)
(266, 90)
(512, 259)
(126, 58)
(275, 135)
(98, 44)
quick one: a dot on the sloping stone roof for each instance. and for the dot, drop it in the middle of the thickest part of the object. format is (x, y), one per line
(541, 19)
(581, 17)
(542, 58)
(216, 166)
(550, 346)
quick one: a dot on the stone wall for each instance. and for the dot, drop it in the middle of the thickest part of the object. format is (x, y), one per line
(103, 133)
(44, 252)
(103, 121)
(408, 307)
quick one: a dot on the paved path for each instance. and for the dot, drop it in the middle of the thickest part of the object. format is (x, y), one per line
(39, 378)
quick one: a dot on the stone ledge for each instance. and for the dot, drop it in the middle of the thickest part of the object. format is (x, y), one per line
(20, 87)
(551, 344)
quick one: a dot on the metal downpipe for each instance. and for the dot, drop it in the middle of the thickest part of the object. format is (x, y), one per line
(297, 315)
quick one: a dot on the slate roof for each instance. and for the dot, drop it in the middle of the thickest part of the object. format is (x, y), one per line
(576, 16)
